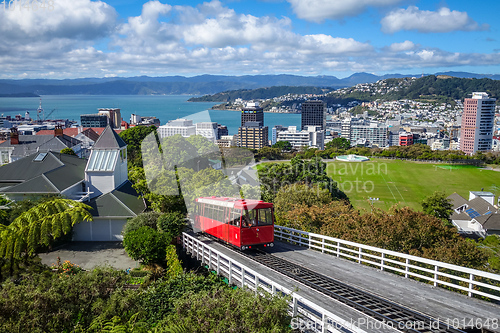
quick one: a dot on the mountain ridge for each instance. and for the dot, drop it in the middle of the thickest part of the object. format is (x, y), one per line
(196, 85)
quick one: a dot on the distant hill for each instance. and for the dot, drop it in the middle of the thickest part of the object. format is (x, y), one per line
(259, 93)
(196, 85)
(447, 87)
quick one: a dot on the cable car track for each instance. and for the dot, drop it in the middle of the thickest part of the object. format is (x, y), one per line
(390, 313)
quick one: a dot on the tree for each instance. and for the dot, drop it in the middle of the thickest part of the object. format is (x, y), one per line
(68, 151)
(283, 145)
(133, 137)
(147, 245)
(172, 223)
(339, 143)
(40, 225)
(148, 219)
(438, 205)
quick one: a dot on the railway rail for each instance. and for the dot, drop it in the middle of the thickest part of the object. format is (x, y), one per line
(390, 313)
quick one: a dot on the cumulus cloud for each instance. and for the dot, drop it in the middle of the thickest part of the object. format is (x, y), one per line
(426, 21)
(404, 46)
(208, 38)
(75, 19)
(319, 10)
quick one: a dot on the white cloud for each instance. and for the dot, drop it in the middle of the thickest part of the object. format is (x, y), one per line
(426, 21)
(319, 10)
(75, 19)
(208, 38)
(403, 46)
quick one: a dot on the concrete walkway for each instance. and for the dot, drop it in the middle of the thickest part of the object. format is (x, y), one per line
(91, 254)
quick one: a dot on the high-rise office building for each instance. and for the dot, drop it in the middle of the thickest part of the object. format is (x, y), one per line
(312, 136)
(252, 133)
(376, 133)
(94, 120)
(253, 136)
(477, 123)
(274, 133)
(183, 127)
(252, 112)
(114, 115)
(314, 114)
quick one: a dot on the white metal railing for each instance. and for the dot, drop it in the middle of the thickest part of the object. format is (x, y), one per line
(471, 281)
(308, 313)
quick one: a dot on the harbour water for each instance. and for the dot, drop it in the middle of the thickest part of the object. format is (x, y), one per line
(165, 108)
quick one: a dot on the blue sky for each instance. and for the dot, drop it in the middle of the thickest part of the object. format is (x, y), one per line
(84, 38)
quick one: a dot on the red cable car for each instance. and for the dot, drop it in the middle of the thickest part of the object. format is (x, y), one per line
(240, 222)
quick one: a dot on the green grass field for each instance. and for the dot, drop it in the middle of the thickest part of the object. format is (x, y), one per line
(407, 182)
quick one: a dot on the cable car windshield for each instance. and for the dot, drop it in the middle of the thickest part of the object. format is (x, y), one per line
(258, 217)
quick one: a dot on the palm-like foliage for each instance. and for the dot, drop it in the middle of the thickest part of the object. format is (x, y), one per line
(40, 225)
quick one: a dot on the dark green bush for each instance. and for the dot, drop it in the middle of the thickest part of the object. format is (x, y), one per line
(148, 219)
(147, 245)
(172, 223)
(158, 300)
(228, 310)
(49, 302)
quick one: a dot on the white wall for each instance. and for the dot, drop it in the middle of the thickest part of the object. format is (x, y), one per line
(99, 230)
(100, 182)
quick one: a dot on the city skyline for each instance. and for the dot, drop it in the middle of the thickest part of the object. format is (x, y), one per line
(83, 38)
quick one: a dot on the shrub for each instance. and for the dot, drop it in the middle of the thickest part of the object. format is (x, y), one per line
(52, 303)
(228, 310)
(147, 245)
(148, 219)
(171, 223)
(158, 300)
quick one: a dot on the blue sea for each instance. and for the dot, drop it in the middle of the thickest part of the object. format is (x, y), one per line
(165, 108)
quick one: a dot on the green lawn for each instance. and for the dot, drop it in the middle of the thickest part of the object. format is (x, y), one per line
(406, 182)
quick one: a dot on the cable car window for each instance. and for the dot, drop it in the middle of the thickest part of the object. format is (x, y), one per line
(235, 217)
(265, 216)
(250, 218)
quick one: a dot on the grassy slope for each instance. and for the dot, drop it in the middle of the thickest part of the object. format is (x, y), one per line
(406, 182)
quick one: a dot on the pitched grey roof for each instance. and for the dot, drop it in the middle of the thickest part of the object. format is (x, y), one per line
(53, 174)
(457, 200)
(109, 140)
(30, 144)
(122, 202)
(493, 222)
(481, 206)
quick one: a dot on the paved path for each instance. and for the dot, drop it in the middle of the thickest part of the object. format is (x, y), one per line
(91, 254)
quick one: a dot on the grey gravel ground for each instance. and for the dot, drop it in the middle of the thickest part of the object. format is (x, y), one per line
(91, 254)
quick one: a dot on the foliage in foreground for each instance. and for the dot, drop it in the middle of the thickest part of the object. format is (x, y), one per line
(228, 310)
(401, 229)
(147, 245)
(49, 302)
(40, 226)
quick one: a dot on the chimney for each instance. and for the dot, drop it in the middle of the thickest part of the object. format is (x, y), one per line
(14, 136)
(58, 130)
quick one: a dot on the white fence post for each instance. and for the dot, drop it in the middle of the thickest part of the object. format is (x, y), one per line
(295, 310)
(242, 277)
(209, 259)
(256, 283)
(407, 262)
(230, 278)
(323, 245)
(382, 261)
(338, 249)
(360, 251)
(218, 264)
(471, 284)
(436, 272)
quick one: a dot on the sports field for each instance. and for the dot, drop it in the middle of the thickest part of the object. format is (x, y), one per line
(389, 182)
